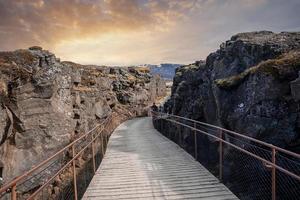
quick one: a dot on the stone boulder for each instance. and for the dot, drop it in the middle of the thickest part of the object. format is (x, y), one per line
(102, 109)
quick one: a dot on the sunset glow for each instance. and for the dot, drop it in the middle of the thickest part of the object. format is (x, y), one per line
(126, 32)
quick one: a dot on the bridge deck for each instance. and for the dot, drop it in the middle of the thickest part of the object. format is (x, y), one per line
(140, 163)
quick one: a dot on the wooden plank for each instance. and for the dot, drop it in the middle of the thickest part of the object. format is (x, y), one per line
(140, 163)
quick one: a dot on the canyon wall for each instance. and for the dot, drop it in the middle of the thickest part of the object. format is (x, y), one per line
(46, 103)
(250, 85)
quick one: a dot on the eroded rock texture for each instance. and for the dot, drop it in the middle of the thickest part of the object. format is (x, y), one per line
(251, 86)
(46, 103)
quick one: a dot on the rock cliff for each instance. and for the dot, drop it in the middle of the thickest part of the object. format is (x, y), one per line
(46, 103)
(249, 85)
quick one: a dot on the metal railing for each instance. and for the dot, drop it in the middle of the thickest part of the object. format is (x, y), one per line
(250, 168)
(60, 171)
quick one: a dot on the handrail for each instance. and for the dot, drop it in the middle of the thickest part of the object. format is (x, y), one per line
(234, 133)
(268, 163)
(64, 167)
(12, 184)
(239, 148)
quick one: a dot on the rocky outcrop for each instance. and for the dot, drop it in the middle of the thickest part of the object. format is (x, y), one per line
(250, 85)
(46, 103)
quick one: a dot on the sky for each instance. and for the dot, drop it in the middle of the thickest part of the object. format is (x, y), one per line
(133, 32)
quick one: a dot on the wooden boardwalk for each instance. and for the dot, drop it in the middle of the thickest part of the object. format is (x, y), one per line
(140, 163)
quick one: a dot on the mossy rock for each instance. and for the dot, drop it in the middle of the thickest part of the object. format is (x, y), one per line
(185, 68)
(278, 68)
(179, 73)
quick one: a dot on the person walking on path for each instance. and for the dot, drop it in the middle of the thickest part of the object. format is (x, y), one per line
(154, 107)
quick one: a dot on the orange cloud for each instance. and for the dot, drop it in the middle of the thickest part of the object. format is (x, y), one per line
(121, 32)
(48, 22)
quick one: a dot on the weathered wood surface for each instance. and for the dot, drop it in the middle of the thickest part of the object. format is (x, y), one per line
(140, 163)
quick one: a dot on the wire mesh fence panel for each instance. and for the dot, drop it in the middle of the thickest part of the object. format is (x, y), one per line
(43, 174)
(174, 133)
(246, 176)
(54, 178)
(286, 186)
(245, 165)
(208, 150)
(209, 157)
(98, 159)
(67, 193)
(35, 181)
(99, 148)
(58, 187)
(84, 177)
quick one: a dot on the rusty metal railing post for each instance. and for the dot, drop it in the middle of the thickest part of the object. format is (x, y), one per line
(74, 173)
(195, 142)
(102, 145)
(273, 174)
(106, 142)
(221, 155)
(179, 134)
(14, 192)
(159, 121)
(93, 154)
(169, 132)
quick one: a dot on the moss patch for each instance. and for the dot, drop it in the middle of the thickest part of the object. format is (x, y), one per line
(278, 68)
(185, 68)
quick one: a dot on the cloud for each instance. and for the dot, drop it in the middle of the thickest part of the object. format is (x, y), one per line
(49, 22)
(121, 32)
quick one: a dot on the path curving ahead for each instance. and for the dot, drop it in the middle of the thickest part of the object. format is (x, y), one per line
(140, 163)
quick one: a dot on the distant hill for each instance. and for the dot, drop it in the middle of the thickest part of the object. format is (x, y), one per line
(165, 70)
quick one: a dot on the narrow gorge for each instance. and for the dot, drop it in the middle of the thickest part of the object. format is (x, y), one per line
(149, 99)
(46, 104)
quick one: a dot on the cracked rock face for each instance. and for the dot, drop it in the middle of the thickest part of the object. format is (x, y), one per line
(245, 86)
(37, 95)
(251, 86)
(46, 103)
